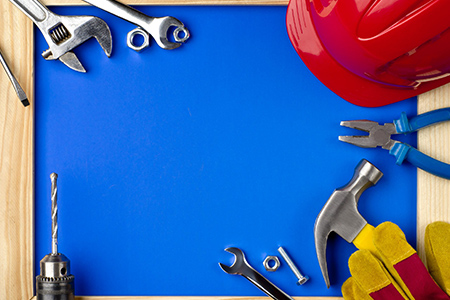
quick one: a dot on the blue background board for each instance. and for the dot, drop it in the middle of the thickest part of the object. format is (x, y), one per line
(165, 158)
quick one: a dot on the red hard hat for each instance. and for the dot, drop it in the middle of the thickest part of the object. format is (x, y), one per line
(373, 52)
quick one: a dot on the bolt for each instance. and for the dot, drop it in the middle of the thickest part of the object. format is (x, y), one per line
(301, 279)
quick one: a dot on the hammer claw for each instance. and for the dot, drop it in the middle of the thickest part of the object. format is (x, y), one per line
(321, 251)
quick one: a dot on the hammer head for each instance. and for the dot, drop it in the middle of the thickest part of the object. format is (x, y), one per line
(340, 213)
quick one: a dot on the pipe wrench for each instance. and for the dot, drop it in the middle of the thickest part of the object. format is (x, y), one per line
(64, 33)
(147, 26)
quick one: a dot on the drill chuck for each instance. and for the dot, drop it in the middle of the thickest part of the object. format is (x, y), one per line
(55, 281)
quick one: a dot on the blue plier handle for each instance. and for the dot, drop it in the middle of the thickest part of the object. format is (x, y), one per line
(380, 135)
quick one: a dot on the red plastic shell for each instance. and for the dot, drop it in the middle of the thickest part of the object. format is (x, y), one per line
(373, 52)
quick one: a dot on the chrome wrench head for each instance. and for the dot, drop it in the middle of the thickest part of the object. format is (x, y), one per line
(72, 31)
(159, 28)
(64, 33)
(241, 267)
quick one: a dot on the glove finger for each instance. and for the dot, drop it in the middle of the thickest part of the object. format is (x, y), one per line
(352, 291)
(437, 249)
(370, 277)
(404, 264)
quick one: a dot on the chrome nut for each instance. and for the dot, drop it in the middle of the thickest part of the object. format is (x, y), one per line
(268, 266)
(130, 39)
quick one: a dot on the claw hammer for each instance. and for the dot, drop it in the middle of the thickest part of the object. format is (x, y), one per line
(340, 214)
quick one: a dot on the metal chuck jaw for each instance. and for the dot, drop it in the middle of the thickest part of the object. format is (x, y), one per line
(55, 281)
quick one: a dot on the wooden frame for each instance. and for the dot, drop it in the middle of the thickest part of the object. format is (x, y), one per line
(17, 158)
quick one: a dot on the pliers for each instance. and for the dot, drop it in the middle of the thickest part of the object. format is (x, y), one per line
(380, 135)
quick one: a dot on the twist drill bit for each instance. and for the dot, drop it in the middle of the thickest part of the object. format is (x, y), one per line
(55, 281)
(54, 197)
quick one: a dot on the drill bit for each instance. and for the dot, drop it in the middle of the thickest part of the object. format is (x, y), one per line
(55, 281)
(54, 196)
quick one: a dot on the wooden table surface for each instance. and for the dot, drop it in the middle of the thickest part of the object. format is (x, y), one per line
(17, 157)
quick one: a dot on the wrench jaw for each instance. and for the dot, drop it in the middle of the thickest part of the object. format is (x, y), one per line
(70, 32)
(236, 267)
(241, 267)
(226, 269)
(159, 27)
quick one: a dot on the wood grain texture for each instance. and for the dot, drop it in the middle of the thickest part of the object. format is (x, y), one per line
(16, 158)
(433, 203)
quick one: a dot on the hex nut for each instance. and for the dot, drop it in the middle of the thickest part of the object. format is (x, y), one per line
(267, 261)
(132, 34)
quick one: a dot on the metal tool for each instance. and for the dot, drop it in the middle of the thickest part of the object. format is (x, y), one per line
(64, 33)
(340, 213)
(19, 91)
(380, 135)
(301, 279)
(271, 267)
(55, 281)
(156, 27)
(241, 267)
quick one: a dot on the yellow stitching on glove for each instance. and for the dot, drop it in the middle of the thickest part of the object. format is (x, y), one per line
(352, 291)
(390, 241)
(370, 273)
(437, 249)
(392, 246)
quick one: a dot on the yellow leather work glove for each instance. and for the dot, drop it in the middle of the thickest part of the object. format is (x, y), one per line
(388, 268)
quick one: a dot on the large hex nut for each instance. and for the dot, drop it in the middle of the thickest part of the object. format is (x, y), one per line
(132, 34)
(271, 267)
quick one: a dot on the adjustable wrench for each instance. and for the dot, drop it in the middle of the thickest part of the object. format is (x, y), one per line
(156, 27)
(63, 33)
(241, 267)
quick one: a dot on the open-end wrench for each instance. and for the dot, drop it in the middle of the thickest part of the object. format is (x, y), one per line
(156, 27)
(241, 267)
(64, 33)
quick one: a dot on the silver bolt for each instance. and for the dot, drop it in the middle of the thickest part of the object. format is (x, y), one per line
(301, 279)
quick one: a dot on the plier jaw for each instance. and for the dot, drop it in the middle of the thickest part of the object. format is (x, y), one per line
(379, 135)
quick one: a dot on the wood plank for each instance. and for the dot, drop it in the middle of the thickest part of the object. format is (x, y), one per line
(16, 161)
(433, 192)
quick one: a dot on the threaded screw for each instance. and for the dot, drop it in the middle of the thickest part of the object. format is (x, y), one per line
(301, 279)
